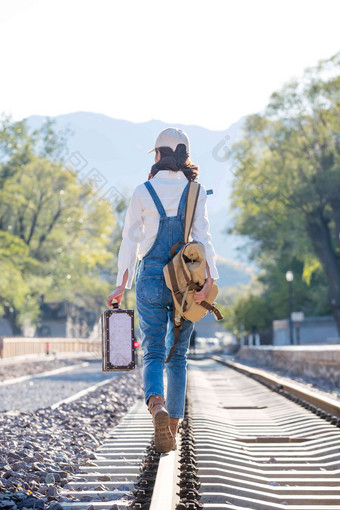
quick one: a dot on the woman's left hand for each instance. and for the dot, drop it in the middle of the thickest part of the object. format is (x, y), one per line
(117, 295)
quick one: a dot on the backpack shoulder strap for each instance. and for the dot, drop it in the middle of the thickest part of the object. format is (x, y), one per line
(190, 207)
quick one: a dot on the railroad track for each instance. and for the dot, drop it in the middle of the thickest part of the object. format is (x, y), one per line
(241, 446)
(322, 405)
(109, 479)
(127, 470)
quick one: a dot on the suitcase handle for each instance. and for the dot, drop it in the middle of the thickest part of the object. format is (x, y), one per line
(115, 304)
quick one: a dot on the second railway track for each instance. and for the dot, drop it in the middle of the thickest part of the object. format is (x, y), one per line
(242, 446)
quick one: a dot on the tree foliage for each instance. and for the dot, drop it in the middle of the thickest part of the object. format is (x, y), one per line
(286, 194)
(56, 235)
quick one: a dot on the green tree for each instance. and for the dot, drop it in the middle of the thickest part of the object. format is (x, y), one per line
(286, 194)
(267, 298)
(55, 233)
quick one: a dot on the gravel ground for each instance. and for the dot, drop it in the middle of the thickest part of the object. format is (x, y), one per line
(321, 386)
(40, 451)
(26, 366)
(45, 391)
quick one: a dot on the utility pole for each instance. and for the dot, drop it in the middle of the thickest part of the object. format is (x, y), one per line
(290, 278)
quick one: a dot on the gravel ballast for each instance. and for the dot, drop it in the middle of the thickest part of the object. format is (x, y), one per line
(41, 451)
(9, 370)
(44, 391)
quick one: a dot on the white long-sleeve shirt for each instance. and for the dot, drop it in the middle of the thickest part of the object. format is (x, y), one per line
(142, 220)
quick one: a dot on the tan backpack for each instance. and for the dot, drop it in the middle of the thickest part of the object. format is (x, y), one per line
(185, 273)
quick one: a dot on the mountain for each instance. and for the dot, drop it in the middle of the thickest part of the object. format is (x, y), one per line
(113, 154)
(233, 273)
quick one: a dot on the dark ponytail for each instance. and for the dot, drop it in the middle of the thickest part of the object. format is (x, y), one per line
(176, 161)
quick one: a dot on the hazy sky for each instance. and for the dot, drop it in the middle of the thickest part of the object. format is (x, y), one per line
(181, 61)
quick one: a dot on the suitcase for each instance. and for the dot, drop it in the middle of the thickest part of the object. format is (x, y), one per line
(118, 336)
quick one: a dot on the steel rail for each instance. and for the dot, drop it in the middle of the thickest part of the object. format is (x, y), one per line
(164, 494)
(323, 402)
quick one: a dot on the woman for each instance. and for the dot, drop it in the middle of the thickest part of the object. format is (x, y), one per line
(154, 222)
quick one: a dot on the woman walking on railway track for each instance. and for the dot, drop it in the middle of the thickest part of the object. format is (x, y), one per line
(154, 222)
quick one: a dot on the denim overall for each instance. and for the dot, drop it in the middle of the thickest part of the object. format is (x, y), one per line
(155, 310)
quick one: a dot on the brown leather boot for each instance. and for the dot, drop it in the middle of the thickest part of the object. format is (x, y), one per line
(163, 437)
(174, 427)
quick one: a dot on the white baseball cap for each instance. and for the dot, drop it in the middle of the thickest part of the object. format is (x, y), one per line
(171, 137)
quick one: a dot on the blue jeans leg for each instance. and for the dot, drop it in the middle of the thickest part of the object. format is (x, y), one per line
(176, 369)
(153, 326)
(154, 306)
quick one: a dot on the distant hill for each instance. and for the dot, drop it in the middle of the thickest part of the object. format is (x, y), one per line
(233, 273)
(113, 152)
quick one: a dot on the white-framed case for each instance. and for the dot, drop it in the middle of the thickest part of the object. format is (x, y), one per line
(118, 353)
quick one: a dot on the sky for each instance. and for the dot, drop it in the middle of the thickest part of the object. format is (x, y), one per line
(206, 63)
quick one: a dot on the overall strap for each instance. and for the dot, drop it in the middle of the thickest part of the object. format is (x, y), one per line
(156, 199)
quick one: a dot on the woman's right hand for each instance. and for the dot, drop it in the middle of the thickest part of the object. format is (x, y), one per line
(116, 295)
(201, 295)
